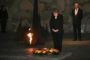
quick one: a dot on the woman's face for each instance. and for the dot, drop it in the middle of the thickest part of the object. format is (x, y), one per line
(55, 14)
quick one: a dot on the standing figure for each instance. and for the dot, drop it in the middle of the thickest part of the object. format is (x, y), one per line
(56, 27)
(77, 15)
(3, 18)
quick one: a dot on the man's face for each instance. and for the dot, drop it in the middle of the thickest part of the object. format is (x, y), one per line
(76, 5)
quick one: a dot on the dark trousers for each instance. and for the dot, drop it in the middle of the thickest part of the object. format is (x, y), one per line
(77, 31)
(57, 40)
(3, 25)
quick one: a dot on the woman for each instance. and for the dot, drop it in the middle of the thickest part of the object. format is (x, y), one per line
(56, 27)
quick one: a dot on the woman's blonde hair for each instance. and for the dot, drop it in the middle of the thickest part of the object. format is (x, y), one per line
(55, 10)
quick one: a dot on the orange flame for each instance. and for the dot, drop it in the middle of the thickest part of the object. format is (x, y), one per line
(30, 35)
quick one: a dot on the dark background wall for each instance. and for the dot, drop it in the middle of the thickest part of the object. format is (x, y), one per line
(20, 11)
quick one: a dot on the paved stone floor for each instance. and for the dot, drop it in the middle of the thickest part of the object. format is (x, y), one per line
(12, 49)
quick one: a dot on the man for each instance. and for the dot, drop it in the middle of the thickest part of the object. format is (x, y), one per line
(77, 15)
(3, 18)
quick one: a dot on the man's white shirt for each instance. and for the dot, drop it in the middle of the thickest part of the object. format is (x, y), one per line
(76, 11)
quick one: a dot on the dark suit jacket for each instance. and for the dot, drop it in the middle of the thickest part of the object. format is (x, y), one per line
(56, 23)
(77, 19)
(3, 17)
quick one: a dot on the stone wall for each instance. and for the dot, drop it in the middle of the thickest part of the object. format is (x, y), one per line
(20, 11)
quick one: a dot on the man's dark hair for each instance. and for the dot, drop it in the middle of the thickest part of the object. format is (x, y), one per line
(76, 2)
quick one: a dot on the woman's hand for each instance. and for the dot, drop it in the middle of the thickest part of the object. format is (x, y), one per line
(55, 30)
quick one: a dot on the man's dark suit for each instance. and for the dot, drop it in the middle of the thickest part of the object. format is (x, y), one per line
(77, 23)
(3, 19)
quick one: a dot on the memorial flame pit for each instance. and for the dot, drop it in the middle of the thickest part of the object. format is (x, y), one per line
(39, 51)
